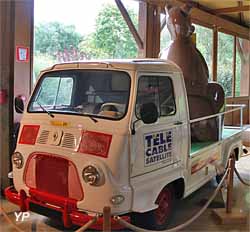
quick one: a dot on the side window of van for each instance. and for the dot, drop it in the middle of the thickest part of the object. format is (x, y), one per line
(159, 90)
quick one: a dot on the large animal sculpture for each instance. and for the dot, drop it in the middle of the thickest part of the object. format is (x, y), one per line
(203, 98)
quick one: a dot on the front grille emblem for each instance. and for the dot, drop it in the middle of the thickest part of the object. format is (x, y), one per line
(55, 136)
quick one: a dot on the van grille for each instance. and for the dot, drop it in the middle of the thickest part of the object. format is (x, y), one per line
(53, 174)
(43, 138)
(69, 141)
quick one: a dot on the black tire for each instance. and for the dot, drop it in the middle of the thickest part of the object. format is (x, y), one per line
(159, 218)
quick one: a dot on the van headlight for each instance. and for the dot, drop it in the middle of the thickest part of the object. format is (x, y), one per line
(17, 160)
(92, 176)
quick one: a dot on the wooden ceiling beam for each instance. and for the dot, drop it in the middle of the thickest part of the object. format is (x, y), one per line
(203, 17)
(213, 21)
(227, 10)
(149, 29)
(241, 15)
(130, 24)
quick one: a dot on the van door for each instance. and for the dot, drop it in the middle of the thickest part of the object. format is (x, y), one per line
(156, 146)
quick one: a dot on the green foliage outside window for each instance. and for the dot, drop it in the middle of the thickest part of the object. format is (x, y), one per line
(204, 43)
(225, 62)
(54, 37)
(56, 42)
(112, 38)
(237, 74)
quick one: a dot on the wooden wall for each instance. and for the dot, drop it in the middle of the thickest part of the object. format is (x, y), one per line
(16, 29)
(7, 25)
(234, 117)
(23, 37)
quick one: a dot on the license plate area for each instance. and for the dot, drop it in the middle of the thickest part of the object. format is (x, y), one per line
(45, 211)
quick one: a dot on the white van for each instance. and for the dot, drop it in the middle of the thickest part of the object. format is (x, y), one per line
(111, 133)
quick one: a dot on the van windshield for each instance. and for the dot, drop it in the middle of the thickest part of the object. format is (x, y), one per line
(98, 93)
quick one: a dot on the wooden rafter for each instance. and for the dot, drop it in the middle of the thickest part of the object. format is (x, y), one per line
(241, 15)
(203, 17)
(130, 24)
(234, 68)
(227, 10)
(149, 29)
(215, 54)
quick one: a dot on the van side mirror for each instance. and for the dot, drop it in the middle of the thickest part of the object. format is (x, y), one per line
(149, 113)
(19, 105)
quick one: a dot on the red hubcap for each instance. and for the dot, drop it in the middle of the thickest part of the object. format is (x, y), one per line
(164, 201)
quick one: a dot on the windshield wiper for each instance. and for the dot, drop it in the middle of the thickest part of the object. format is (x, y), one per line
(49, 113)
(91, 117)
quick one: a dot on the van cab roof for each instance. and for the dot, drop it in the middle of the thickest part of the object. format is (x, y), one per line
(158, 65)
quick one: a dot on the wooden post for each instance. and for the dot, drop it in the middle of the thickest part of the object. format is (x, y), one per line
(7, 54)
(230, 185)
(149, 29)
(106, 219)
(230, 215)
(234, 68)
(215, 54)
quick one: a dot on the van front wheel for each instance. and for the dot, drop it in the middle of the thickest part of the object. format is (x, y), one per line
(159, 218)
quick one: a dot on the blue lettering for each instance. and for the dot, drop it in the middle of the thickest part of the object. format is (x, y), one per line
(162, 140)
(156, 140)
(170, 145)
(148, 152)
(154, 152)
(148, 139)
(165, 148)
(161, 148)
(169, 136)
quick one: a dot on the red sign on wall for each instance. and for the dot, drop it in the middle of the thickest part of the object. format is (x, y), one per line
(22, 54)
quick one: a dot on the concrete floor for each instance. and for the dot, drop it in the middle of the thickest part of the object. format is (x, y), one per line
(184, 209)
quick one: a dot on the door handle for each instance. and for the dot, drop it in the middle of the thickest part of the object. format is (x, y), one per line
(178, 123)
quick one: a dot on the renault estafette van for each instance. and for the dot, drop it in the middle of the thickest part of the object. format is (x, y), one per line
(111, 133)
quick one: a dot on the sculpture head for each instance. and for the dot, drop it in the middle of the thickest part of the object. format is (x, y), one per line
(179, 22)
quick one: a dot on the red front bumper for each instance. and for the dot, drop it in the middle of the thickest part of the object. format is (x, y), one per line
(66, 207)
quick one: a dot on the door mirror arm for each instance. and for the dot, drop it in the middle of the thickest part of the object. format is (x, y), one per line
(133, 126)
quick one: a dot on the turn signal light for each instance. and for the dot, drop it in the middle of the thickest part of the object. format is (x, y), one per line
(29, 134)
(95, 143)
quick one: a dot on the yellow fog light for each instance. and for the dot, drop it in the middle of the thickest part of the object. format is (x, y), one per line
(17, 160)
(117, 199)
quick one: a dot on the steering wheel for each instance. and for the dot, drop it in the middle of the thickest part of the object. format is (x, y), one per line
(109, 107)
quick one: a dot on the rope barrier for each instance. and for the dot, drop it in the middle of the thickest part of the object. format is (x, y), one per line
(138, 229)
(81, 229)
(188, 222)
(88, 224)
(8, 220)
(240, 178)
